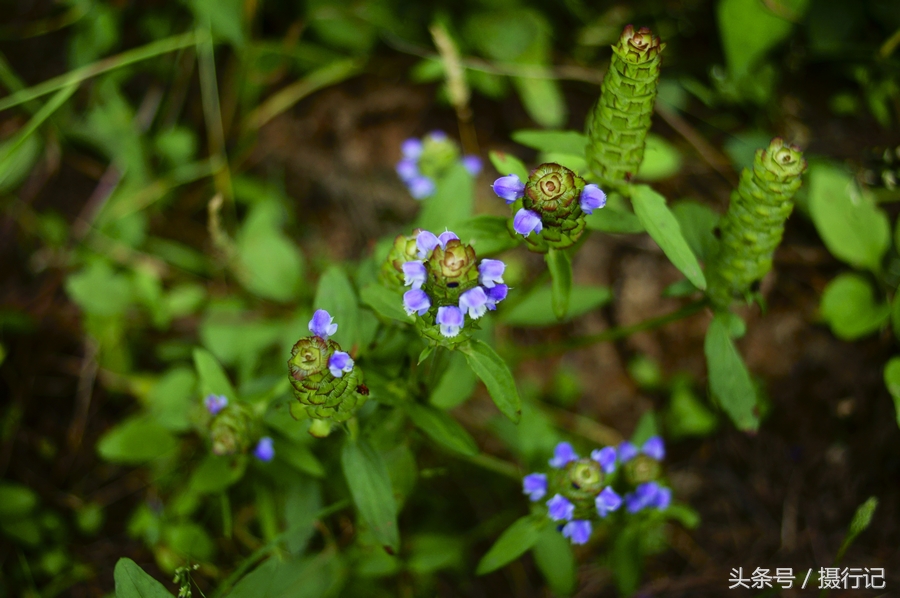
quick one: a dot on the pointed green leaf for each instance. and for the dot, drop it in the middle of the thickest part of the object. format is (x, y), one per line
(650, 207)
(512, 543)
(543, 99)
(213, 379)
(697, 221)
(561, 276)
(609, 220)
(456, 384)
(442, 428)
(508, 164)
(133, 582)
(369, 482)
(729, 379)
(661, 160)
(537, 308)
(335, 294)
(850, 308)
(563, 142)
(488, 235)
(892, 381)
(136, 440)
(496, 376)
(385, 302)
(553, 556)
(452, 202)
(862, 519)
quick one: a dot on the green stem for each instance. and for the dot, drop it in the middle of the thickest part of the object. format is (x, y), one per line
(164, 46)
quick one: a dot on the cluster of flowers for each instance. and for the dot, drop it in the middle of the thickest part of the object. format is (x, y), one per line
(582, 488)
(446, 268)
(425, 160)
(264, 450)
(323, 326)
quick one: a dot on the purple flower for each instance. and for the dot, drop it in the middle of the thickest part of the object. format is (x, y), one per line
(338, 363)
(215, 403)
(592, 198)
(450, 319)
(606, 457)
(407, 169)
(509, 188)
(563, 454)
(416, 301)
(473, 301)
(420, 186)
(495, 295)
(411, 148)
(472, 164)
(425, 243)
(578, 531)
(627, 452)
(322, 324)
(437, 135)
(560, 509)
(265, 449)
(607, 501)
(648, 495)
(527, 222)
(414, 274)
(535, 486)
(490, 272)
(654, 448)
(446, 236)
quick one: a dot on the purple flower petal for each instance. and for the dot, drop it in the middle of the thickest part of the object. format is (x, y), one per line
(265, 449)
(322, 324)
(407, 170)
(606, 457)
(509, 188)
(535, 486)
(663, 498)
(473, 164)
(563, 454)
(446, 236)
(592, 198)
(495, 295)
(560, 509)
(607, 501)
(627, 452)
(420, 187)
(340, 362)
(578, 531)
(416, 301)
(425, 243)
(411, 148)
(654, 448)
(437, 135)
(490, 272)
(527, 222)
(450, 319)
(414, 274)
(474, 301)
(215, 403)
(647, 495)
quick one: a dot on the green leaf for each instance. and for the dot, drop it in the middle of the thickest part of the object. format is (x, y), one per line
(561, 281)
(564, 142)
(213, 380)
(335, 294)
(172, 397)
(577, 164)
(456, 384)
(626, 559)
(850, 308)
(508, 164)
(537, 310)
(302, 502)
(17, 157)
(215, 474)
(661, 160)
(663, 227)
(862, 519)
(892, 381)
(99, 290)
(609, 220)
(442, 428)
(189, 540)
(269, 264)
(136, 440)
(851, 225)
(385, 302)
(452, 202)
(496, 376)
(749, 29)
(543, 100)
(224, 16)
(16, 500)
(313, 577)
(488, 235)
(697, 222)
(895, 314)
(512, 543)
(553, 556)
(687, 415)
(369, 482)
(133, 582)
(301, 458)
(729, 379)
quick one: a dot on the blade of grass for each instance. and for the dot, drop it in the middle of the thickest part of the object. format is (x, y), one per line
(212, 110)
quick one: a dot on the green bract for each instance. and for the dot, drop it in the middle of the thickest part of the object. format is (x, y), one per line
(402, 251)
(321, 394)
(452, 271)
(553, 192)
(233, 430)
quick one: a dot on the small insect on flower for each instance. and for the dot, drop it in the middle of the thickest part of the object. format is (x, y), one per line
(509, 188)
(322, 324)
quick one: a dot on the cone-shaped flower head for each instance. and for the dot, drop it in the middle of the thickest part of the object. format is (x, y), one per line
(322, 324)
(642, 465)
(232, 430)
(559, 508)
(553, 192)
(585, 474)
(215, 403)
(607, 501)
(509, 188)
(265, 449)
(562, 455)
(638, 46)
(578, 531)
(453, 265)
(535, 486)
(403, 250)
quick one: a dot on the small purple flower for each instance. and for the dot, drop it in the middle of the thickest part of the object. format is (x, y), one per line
(648, 495)
(473, 301)
(490, 272)
(495, 295)
(420, 187)
(407, 169)
(437, 135)
(472, 164)
(606, 457)
(322, 324)
(340, 362)
(578, 531)
(560, 509)
(509, 188)
(411, 148)
(445, 237)
(215, 403)
(607, 501)
(654, 448)
(265, 449)
(425, 243)
(563, 454)
(592, 198)
(627, 452)
(416, 301)
(535, 486)
(450, 319)
(414, 274)
(526, 222)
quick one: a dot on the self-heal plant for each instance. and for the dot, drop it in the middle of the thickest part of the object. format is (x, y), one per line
(424, 161)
